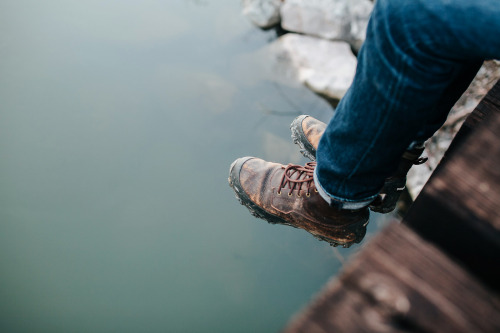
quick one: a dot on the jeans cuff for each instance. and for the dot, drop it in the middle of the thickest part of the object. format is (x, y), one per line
(341, 203)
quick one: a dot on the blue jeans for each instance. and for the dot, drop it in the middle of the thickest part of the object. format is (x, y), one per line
(419, 56)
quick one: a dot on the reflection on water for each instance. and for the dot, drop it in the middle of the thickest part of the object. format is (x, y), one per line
(118, 122)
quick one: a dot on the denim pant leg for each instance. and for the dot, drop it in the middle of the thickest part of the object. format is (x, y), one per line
(417, 59)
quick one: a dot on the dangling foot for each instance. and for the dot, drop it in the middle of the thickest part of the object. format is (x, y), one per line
(306, 132)
(287, 195)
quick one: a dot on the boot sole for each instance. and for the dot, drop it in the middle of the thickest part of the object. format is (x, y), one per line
(300, 139)
(234, 182)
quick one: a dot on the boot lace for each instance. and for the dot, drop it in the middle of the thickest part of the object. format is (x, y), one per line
(297, 177)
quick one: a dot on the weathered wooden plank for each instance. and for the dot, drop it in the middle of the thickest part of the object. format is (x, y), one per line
(401, 283)
(459, 208)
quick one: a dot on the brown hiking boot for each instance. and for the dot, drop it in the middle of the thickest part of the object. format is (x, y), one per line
(287, 195)
(307, 131)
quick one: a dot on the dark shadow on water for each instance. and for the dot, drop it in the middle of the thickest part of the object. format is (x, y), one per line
(278, 30)
(332, 101)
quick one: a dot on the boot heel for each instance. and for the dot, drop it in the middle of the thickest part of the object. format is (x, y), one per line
(389, 196)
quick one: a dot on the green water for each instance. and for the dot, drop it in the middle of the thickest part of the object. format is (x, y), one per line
(118, 122)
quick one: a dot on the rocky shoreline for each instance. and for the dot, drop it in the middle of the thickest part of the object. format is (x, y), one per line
(323, 37)
(319, 49)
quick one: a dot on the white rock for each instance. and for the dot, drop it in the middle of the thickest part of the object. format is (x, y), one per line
(359, 13)
(326, 67)
(330, 19)
(263, 13)
(323, 18)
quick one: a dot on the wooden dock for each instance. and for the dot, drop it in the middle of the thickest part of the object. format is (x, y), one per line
(438, 270)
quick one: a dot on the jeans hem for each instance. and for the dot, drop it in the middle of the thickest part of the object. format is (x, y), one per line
(341, 203)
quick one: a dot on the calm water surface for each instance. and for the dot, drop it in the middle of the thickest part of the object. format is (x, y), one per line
(118, 122)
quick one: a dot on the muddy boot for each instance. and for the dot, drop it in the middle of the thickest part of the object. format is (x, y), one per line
(306, 132)
(287, 195)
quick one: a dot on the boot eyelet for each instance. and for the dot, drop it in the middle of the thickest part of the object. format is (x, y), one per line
(289, 194)
(315, 190)
(279, 192)
(308, 195)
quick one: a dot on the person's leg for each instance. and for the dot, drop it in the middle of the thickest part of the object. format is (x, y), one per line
(418, 57)
(453, 92)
